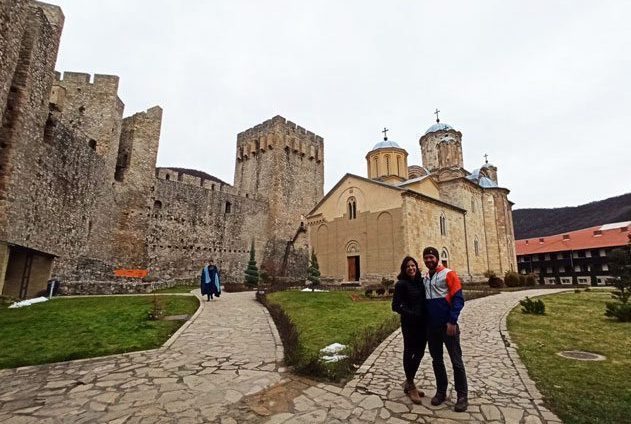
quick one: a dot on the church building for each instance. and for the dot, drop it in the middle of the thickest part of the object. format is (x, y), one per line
(364, 226)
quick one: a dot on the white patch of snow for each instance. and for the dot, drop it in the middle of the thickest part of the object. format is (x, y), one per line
(333, 348)
(315, 290)
(28, 302)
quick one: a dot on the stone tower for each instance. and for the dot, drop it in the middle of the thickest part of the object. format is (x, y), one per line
(281, 163)
(441, 147)
(387, 162)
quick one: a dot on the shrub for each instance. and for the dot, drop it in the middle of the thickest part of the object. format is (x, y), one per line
(531, 280)
(522, 280)
(252, 272)
(529, 306)
(380, 291)
(313, 272)
(496, 282)
(620, 311)
(511, 279)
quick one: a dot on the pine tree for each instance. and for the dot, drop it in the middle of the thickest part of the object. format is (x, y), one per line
(313, 273)
(252, 272)
(620, 265)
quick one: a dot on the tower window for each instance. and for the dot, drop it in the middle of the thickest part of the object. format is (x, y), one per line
(387, 164)
(443, 225)
(476, 247)
(228, 207)
(352, 208)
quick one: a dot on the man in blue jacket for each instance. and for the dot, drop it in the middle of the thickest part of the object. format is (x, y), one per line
(443, 293)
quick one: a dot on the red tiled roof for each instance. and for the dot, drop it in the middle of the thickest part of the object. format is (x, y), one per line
(609, 235)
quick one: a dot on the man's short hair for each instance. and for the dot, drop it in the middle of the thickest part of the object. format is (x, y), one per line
(431, 251)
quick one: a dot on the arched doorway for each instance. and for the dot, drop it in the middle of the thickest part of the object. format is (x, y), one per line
(353, 260)
(444, 257)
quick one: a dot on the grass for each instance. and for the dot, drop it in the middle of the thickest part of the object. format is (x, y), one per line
(65, 329)
(316, 320)
(323, 318)
(577, 391)
(177, 289)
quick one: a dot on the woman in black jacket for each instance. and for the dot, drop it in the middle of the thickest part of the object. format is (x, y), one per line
(409, 302)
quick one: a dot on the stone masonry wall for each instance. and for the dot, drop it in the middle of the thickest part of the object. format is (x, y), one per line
(281, 163)
(191, 224)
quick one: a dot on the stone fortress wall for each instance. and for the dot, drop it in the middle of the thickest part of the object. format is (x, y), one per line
(80, 195)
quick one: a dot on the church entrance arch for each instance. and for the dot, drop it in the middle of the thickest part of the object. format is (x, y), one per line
(353, 260)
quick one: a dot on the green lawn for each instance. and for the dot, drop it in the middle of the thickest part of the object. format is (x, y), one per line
(323, 318)
(178, 289)
(64, 329)
(577, 391)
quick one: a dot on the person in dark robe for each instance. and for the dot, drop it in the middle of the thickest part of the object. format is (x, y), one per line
(210, 281)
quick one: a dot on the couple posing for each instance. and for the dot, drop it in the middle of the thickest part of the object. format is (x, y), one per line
(429, 306)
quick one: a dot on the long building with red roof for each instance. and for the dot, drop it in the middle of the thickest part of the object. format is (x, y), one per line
(574, 257)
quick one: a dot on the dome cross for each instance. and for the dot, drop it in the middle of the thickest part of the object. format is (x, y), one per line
(486, 158)
(436, 112)
(385, 133)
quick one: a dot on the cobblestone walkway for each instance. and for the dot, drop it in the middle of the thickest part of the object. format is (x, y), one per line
(500, 390)
(223, 368)
(229, 350)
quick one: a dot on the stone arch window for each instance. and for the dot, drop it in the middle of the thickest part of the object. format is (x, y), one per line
(443, 224)
(352, 208)
(399, 165)
(228, 207)
(352, 247)
(92, 144)
(387, 164)
(157, 204)
(476, 246)
(444, 257)
(376, 161)
(212, 187)
(167, 177)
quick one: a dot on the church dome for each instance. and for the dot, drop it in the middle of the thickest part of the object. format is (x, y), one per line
(488, 165)
(439, 126)
(386, 144)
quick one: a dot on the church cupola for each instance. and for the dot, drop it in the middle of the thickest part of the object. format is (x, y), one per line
(490, 169)
(441, 146)
(387, 161)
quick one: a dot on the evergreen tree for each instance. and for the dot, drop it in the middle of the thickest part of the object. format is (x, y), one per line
(313, 273)
(252, 272)
(620, 265)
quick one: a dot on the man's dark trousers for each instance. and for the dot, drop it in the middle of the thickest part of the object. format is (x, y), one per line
(436, 337)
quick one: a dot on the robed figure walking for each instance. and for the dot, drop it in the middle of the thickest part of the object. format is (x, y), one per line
(210, 281)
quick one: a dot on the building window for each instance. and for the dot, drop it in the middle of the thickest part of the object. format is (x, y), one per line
(444, 257)
(476, 248)
(547, 257)
(376, 166)
(228, 207)
(167, 177)
(352, 208)
(562, 269)
(549, 270)
(387, 164)
(535, 258)
(399, 166)
(443, 225)
(472, 204)
(559, 255)
(157, 204)
(605, 267)
(577, 268)
(588, 253)
(575, 255)
(602, 252)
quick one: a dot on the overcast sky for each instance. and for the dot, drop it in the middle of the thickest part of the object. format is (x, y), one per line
(543, 87)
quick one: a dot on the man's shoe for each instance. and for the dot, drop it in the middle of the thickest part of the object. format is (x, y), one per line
(438, 399)
(415, 396)
(461, 404)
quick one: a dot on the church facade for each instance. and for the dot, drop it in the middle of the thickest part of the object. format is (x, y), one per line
(364, 226)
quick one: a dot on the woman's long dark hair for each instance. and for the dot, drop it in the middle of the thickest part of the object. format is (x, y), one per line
(403, 275)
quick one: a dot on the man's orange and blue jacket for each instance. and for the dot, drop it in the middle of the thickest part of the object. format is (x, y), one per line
(443, 294)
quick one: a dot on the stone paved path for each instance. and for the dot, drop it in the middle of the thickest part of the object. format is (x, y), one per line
(500, 390)
(229, 350)
(224, 368)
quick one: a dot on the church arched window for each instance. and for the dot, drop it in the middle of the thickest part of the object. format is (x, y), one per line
(443, 224)
(376, 160)
(476, 246)
(444, 257)
(352, 208)
(387, 164)
(399, 165)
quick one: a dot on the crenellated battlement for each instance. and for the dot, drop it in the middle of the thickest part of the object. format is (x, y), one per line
(281, 126)
(209, 182)
(100, 82)
(279, 133)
